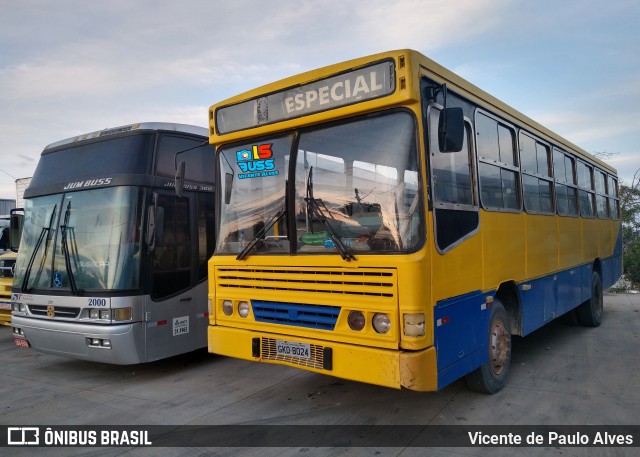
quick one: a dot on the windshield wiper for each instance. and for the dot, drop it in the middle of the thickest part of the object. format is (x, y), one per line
(43, 232)
(65, 251)
(320, 212)
(261, 234)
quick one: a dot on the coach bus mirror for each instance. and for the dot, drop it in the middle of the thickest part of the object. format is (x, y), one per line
(451, 130)
(15, 228)
(228, 183)
(180, 178)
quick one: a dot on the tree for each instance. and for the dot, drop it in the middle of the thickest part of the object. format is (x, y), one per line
(630, 214)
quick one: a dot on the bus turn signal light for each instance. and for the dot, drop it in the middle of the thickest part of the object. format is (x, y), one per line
(414, 324)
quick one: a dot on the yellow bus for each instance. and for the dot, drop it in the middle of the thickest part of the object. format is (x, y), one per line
(385, 221)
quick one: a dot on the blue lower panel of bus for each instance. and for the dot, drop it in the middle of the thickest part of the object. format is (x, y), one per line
(461, 323)
(461, 335)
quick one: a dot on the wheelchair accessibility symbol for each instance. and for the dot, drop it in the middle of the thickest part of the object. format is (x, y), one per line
(57, 279)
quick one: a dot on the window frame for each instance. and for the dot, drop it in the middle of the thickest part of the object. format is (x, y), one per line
(549, 179)
(573, 185)
(590, 191)
(480, 160)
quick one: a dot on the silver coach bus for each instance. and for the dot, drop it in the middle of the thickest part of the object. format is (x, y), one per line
(112, 265)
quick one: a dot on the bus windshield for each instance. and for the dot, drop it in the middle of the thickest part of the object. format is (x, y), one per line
(356, 190)
(81, 240)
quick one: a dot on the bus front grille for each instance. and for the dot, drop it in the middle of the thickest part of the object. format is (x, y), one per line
(311, 316)
(376, 284)
(58, 311)
(316, 360)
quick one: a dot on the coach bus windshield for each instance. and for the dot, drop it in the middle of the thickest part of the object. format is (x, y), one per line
(81, 240)
(356, 190)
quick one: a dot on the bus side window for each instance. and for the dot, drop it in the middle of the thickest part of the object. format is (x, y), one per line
(455, 200)
(497, 167)
(537, 183)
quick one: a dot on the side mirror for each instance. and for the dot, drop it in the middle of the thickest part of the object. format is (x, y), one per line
(451, 130)
(16, 222)
(179, 180)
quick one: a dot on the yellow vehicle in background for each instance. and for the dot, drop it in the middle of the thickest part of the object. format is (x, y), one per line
(7, 262)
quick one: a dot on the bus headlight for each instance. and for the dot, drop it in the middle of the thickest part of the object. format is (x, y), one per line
(381, 323)
(414, 324)
(356, 320)
(94, 313)
(227, 307)
(243, 309)
(18, 307)
(105, 314)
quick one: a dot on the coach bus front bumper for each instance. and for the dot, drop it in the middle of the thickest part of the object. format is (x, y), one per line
(82, 341)
(415, 370)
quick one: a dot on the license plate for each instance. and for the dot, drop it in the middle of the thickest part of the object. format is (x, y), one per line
(21, 342)
(292, 349)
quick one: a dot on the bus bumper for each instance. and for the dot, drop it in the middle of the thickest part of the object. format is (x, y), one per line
(5, 312)
(75, 340)
(415, 370)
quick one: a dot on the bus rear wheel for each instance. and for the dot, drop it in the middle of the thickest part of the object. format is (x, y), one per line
(590, 312)
(492, 376)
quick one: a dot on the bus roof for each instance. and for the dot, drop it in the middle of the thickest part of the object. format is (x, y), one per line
(415, 63)
(183, 128)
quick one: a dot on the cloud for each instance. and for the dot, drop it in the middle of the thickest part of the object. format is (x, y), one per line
(74, 66)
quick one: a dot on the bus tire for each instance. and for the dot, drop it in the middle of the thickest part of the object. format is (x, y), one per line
(590, 312)
(492, 376)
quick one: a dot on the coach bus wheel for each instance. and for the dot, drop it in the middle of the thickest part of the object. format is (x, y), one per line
(590, 312)
(491, 376)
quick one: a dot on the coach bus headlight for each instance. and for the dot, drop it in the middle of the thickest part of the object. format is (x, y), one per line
(122, 314)
(381, 323)
(243, 309)
(105, 314)
(18, 307)
(356, 320)
(227, 307)
(94, 313)
(414, 324)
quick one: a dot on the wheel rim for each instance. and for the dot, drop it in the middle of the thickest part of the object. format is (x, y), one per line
(499, 346)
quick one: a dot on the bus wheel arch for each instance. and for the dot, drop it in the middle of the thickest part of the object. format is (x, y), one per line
(509, 297)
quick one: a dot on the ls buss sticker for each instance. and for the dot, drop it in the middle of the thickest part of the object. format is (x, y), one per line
(256, 162)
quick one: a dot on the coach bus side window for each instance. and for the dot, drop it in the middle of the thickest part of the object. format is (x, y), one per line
(497, 167)
(602, 205)
(585, 182)
(536, 175)
(566, 184)
(199, 157)
(614, 200)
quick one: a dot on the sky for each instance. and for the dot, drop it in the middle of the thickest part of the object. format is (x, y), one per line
(75, 66)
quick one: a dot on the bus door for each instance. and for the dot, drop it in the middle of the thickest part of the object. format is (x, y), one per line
(171, 306)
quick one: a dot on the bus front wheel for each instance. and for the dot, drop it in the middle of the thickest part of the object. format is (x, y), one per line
(590, 312)
(492, 376)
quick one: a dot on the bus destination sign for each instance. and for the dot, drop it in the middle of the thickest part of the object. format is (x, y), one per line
(344, 89)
